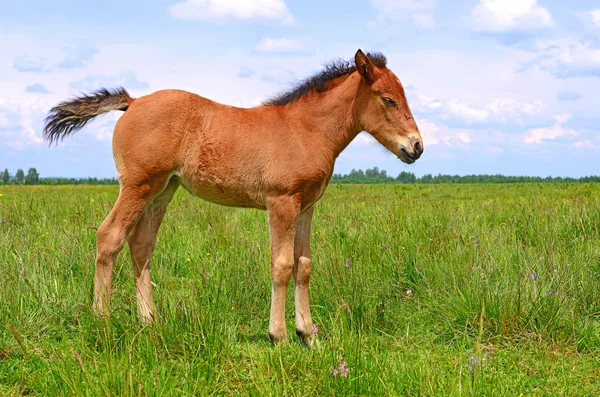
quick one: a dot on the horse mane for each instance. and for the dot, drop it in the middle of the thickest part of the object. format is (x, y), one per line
(318, 82)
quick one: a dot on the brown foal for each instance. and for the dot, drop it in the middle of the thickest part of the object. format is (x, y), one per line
(278, 157)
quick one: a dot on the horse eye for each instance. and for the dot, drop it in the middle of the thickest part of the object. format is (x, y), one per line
(388, 101)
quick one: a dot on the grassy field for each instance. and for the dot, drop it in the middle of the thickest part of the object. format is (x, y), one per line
(450, 290)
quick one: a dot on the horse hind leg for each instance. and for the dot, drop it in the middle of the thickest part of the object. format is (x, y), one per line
(142, 241)
(113, 232)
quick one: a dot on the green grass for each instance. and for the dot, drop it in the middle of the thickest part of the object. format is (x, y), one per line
(441, 277)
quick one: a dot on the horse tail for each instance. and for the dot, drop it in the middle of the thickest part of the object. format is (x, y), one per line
(72, 115)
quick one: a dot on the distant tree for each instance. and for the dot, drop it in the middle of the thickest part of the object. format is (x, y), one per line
(406, 177)
(80, 181)
(20, 176)
(5, 176)
(33, 177)
(427, 178)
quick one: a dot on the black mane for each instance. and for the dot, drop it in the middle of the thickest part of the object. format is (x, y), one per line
(318, 82)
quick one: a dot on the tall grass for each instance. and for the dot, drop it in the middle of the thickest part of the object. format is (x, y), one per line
(450, 290)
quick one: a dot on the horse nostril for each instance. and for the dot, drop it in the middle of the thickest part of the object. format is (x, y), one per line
(418, 148)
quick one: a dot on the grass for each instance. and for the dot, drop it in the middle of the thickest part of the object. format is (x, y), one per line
(452, 290)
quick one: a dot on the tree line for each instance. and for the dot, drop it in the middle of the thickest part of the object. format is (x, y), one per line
(374, 175)
(370, 176)
(33, 178)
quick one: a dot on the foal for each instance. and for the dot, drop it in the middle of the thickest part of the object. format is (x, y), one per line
(278, 157)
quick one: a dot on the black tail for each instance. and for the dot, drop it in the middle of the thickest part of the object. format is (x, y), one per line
(70, 116)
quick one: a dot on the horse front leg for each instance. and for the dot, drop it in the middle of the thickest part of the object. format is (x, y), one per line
(283, 215)
(302, 264)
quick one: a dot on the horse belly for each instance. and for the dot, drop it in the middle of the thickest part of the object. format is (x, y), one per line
(220, 191)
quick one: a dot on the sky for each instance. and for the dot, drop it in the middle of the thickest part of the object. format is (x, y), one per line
(496, 86)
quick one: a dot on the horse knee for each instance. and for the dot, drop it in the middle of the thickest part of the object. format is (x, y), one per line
(303, 270)
(281, 269)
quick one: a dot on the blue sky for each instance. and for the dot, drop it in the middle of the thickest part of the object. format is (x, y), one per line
(496, 86)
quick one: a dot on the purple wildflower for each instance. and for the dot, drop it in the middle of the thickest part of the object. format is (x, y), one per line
(3, 222)
(342, 370)
(476, 244)
(348, 263)
(533, 276)
(550, 292)
(514, 219)
(315, 329)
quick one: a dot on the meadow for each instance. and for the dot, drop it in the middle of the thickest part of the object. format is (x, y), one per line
(432, 290)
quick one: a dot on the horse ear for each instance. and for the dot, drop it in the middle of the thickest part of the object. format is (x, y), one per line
(364, 66)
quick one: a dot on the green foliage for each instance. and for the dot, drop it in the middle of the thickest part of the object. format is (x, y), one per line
(20, 176)
(374, 175)
(32, 177)
(370, 176)
(452, 290)
(79, 181)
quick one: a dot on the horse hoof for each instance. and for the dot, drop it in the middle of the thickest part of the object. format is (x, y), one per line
(278, 339)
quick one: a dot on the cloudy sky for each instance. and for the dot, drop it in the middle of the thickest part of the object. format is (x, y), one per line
(496, 86)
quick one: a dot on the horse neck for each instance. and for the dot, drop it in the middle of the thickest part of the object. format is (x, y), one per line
(331, 115)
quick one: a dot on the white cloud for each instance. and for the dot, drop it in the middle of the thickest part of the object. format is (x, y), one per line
(562, 118)
(249, 103)
(507, 108)
(429, 102)
(364, 139)
(539, 135)
(494, 150)
(463, 137)
(595, 14)
(465, 112)
(568, 58)
(585, 144)
(500, 16)
(127, 79)
(503, 110)
(398, 9)
(533, 108)
(104, 131)
(32, 64)
(240, 9)
(423, 20)
(592, 16)
(278, 75)
(280, 46)
(77, 57)
(429, 132)
(20, 121)
(434, 134)
(394, 6)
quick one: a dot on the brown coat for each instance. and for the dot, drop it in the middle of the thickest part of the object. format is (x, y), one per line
(278, 157)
